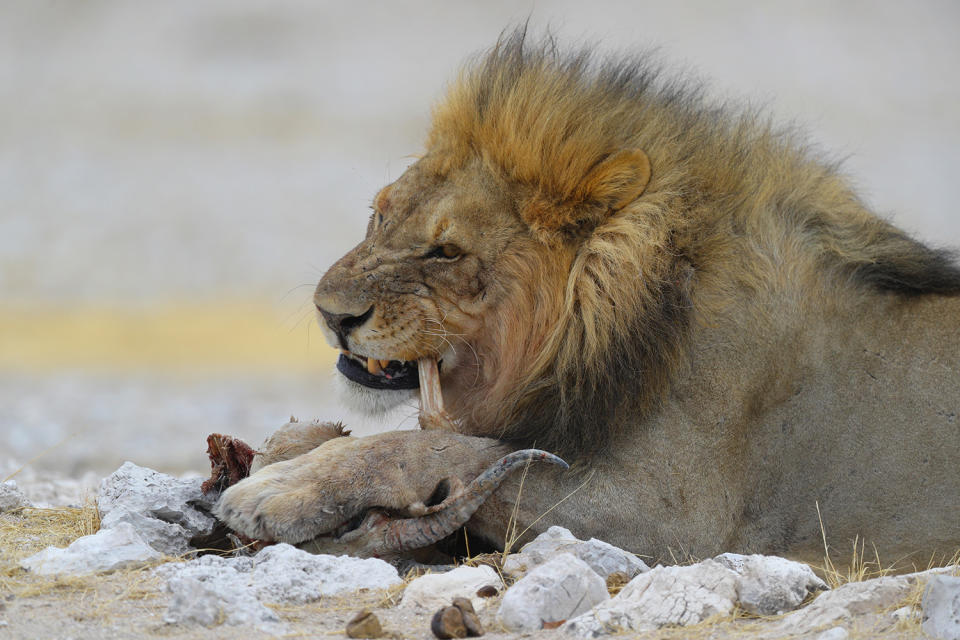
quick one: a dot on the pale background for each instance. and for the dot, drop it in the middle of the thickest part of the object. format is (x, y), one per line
(175, 176)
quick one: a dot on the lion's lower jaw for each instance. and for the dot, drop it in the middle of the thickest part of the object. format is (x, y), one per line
(373, 402)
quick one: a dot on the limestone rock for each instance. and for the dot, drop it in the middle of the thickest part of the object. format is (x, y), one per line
(834, 633)
(846, 602)
(166, 537)
(941, 607)
(431, 592)
(664, 596)
(209, 604)
(11, 497)
(282, 573)
(603, 558)
(557, 590)
(107, 550)
(163, 509)
(769, 585)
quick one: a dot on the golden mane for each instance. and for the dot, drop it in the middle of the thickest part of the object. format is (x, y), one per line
(729, 196)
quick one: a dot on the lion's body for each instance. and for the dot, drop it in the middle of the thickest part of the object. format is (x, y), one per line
(854, 410)
(693, 310)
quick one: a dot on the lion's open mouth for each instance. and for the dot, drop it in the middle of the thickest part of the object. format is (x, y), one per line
(378, 374)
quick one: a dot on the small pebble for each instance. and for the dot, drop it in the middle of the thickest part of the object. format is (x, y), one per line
(456, 621)
(364, 625)
(470, 619)
(488, 591)
(448, 623)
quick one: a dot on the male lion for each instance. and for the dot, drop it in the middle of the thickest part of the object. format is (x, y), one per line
(685, 304)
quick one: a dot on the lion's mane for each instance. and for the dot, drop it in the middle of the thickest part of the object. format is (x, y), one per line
(602, 305)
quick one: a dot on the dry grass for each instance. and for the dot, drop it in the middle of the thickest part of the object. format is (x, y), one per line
(866, 564)
(26, 531)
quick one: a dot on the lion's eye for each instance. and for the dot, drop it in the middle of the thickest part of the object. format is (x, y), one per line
(445, 252)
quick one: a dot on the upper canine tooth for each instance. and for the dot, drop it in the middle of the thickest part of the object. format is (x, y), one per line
(373, 366)
(384, 363)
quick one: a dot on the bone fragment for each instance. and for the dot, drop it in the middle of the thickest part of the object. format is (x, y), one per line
(431, 398)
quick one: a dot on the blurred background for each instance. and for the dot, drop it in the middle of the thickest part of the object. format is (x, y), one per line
(175, 176)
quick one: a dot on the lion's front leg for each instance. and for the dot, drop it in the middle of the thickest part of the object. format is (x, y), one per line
(322, 490)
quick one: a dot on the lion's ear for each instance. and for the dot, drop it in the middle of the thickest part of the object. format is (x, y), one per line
(618, 180)
(609, 186)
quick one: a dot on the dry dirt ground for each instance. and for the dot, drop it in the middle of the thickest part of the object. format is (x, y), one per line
(132, 603)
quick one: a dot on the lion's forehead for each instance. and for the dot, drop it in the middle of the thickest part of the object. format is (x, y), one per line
(461, 207)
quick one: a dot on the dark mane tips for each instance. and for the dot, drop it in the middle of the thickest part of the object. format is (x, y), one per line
(903, 265)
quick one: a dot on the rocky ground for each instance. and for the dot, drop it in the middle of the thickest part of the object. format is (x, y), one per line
(122, 565)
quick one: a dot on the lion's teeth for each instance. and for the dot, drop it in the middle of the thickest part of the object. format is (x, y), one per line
(384, 363)
(373, 367)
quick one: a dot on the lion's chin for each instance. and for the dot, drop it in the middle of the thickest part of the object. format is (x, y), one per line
(373, 402)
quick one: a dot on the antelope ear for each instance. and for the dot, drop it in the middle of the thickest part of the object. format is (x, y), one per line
(618, 180)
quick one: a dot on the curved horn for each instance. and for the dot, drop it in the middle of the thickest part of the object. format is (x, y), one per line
(414, 533)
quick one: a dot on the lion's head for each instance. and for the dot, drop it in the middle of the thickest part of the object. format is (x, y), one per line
(503, 253)
(546, 247)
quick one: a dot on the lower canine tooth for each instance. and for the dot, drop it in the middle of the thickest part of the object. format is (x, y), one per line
(373, 366)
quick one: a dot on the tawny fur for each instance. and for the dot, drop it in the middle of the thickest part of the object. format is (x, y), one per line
(686, 303)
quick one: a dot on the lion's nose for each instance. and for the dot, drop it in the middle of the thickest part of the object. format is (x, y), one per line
(344, 323)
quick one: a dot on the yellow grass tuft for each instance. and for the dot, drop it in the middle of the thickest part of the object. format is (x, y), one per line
(26, 531)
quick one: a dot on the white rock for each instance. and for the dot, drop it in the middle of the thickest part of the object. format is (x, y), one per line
(664, 596)
(846, 602)
(293, 575)
(11, 497)
(160, 507)
(166, 537)
(904, 614)
(558, 590)
(197, 602)
(603, 558)
(769, 585)
(941, 607)
(836, 633)
(282, 573)
(430, 592)
(107, 550)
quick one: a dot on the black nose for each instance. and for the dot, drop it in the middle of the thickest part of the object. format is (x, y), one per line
(343, 323)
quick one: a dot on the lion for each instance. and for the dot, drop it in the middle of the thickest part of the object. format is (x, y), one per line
(685, 303)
